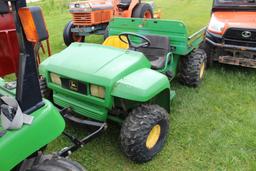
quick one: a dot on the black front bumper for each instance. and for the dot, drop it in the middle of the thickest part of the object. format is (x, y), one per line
(220, 41)
(228, 50)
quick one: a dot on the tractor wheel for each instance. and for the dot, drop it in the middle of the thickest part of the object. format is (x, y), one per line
(143, 10)
(58, 164)
(193, 68)
(144, 132)
(70, 37)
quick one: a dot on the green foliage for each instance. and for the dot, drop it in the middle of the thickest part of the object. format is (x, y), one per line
(213, 127)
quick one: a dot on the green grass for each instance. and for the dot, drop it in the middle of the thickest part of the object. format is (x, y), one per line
(212, 127)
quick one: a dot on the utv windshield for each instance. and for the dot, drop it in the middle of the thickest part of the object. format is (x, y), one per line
(235, 4)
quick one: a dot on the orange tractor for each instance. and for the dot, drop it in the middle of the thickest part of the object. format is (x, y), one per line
(93, 16)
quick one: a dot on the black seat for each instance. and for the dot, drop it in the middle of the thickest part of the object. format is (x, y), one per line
(157, 51)
(4, 7)
(124, 4)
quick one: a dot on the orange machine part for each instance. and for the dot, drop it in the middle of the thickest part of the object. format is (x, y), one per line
(126, 13)
(28, 24)
(92, 18)
(236, 19)
(104, 15)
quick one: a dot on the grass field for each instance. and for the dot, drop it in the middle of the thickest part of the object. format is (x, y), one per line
(212, 127)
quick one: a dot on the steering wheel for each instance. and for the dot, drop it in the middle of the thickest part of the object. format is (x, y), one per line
(145, 41)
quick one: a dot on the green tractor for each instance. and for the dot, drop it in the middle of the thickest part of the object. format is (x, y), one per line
(28, 123)
(126, 80)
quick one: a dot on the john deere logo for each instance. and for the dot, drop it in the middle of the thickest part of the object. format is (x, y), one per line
(73, 85)
(246, 34)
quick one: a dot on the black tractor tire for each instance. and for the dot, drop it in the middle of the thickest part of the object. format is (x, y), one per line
(136, 131)
(209, 50)
(141, 9)
(193, 67)
(69, 37)
(58, 164)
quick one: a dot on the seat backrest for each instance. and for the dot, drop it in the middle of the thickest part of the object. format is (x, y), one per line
(4, 7)
(160, 47)
(114, 41)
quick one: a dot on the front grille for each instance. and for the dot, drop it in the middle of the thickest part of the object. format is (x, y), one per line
(237, 34)
(240, 43)
(82, 19)
(74, 85)
(92, 18)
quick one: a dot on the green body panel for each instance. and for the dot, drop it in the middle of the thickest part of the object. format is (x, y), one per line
(47, 125)
(81, 106)
(17, 145)
(181, 42)
(103, 66)
(197, 38)
(141, 85)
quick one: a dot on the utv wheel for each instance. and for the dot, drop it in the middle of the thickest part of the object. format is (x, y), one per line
(144, 132)
(193, 68)
(58, 164)
(143, 10)
(208, 48)
(70, 37)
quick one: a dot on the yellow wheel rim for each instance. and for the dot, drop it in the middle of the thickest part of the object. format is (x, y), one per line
(202, 68)
(153, 136)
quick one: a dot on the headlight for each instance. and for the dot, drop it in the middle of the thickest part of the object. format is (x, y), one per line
(216, 26)
(55, 78)
(86, 7)
(80, 6)
(97, 91)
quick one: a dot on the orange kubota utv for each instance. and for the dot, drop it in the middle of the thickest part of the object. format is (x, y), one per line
(93, 16)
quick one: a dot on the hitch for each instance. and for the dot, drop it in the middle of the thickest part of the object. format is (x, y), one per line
(79, 143)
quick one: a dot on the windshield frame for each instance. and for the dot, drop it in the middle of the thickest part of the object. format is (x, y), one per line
(219, 6)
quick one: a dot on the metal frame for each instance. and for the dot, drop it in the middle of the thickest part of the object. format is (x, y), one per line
(79, 143)
(238, 61)
(87, 30)
(244, 48)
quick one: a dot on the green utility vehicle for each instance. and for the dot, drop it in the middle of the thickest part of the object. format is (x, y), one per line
(128, 86)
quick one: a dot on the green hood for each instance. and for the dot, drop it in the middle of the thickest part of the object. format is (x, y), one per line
(95, 63)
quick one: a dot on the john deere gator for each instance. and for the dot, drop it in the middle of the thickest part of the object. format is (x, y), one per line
(127, 79)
